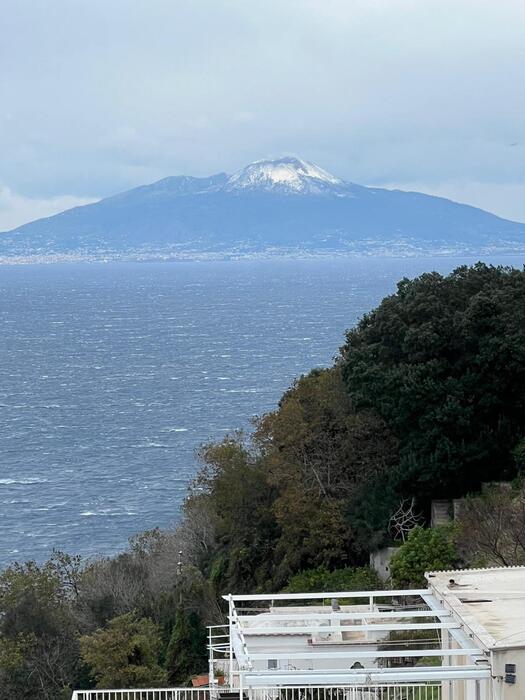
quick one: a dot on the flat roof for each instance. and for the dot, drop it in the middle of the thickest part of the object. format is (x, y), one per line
(490, 602)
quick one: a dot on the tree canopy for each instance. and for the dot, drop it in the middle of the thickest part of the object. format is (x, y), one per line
(125, 654)
(426, 549)
(186, 652)
(442, 361)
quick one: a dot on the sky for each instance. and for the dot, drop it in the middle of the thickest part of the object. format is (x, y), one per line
(97, 96)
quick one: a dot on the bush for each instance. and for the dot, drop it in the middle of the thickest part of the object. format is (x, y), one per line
(125, 654)
(425, 550)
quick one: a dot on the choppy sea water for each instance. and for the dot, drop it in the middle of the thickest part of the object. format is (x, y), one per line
(112, 375)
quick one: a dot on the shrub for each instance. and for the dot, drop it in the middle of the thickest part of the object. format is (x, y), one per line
(125, 654)
(425, 550)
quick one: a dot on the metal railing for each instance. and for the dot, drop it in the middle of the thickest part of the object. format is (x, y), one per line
(404, 691)
(219, 654)
(401, 691)
(147, 694)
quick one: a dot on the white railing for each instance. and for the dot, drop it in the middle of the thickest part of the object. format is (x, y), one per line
(404, 691)
(401, 691)
(219, 654)
(147, 694)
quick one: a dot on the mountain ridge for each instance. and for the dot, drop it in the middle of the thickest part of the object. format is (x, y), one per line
(281, 206)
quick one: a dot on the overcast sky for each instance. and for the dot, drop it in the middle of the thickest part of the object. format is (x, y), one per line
(97, 96)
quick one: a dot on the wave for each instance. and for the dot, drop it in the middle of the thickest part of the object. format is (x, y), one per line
(157, 445)
(29, 480)
(107, 512)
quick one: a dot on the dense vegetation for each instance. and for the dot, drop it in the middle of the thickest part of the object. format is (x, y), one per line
(425, 400)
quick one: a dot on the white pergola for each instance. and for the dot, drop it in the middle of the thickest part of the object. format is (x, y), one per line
(460, 658)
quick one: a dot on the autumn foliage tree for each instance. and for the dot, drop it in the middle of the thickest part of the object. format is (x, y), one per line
(319, 455)
(427, 400)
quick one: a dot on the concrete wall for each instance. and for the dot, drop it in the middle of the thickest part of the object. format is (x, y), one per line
(380, 561)
(507, 691)
(441, 513)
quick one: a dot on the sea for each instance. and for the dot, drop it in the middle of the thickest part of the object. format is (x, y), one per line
(112, 376)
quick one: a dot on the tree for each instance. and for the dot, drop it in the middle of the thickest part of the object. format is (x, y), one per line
(442, 361)
(233, 486)
(431, 549)
(14, 667)
(186, 654)
(404, 520)
(38, 632)
(125, 654)
(317, 439)
(348, 579)
(491, 527)
(519, 455)
(320, 455)
(112, 587)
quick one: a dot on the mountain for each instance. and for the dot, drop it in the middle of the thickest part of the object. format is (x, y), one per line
(271, 206)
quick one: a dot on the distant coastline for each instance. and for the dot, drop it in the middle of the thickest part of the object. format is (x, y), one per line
(400, 249)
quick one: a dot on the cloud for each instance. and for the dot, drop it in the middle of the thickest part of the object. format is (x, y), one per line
(96, 97)
(16, 210)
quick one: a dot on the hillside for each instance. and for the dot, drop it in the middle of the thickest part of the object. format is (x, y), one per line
(279, 206)
(426, 400)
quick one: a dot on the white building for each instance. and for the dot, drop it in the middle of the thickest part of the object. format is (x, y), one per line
(462, 638)
(490, 606)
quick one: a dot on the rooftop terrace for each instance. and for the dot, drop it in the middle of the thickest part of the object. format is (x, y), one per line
(455, 640)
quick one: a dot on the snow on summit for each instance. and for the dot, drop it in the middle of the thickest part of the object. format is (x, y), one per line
(284, 174)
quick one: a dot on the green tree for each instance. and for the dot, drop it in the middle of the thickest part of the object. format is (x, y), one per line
(38, 631)
(519, 455)
(233, 487)
(13, 667)
(347, 579)
(187, 654)
(280, 503)
(443, 362)
(431, 549)
(125, 654)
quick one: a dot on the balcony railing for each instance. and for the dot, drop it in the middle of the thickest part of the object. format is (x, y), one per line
(402, 691)
(147, 694)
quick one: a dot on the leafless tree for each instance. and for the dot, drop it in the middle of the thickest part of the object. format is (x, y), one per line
(50, 663)
(197, 529)
(491, 528)
(404, 520)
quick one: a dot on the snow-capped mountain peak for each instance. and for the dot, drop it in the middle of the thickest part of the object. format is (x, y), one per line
(289, 174)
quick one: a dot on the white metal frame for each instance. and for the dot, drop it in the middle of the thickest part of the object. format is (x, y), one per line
(464, 662)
